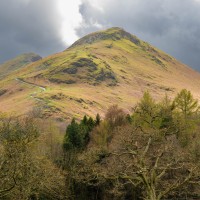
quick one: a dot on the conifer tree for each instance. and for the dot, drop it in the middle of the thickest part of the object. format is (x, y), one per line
(84, 120)
(73, 138)
(98, 119)
(90, 124)
(185, 103)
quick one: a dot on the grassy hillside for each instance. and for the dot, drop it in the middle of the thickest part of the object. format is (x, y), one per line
(17, 63)
(101, 69)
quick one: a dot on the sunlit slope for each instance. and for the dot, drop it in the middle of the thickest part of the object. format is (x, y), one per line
(101, 69)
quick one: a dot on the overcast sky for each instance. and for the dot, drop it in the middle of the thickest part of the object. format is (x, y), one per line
(49, 26)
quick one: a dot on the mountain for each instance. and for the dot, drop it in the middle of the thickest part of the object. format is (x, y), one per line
(103, 68)
(17, 63)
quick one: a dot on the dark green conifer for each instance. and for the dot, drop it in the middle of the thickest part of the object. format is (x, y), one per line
(98, 119)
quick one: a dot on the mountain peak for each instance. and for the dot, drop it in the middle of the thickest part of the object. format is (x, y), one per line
(114, 33)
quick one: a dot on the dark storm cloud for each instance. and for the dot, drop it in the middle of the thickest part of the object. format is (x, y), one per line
(171, 25)
(29, 26)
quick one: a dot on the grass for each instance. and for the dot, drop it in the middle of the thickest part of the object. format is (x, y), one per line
(136, 68)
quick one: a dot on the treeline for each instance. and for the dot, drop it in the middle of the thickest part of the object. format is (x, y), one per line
(151, 153)
(77, 134)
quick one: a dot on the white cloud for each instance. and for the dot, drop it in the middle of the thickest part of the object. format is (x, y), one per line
(96, 4)
(71, 19)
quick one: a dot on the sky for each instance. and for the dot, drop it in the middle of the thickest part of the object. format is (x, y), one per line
(49, 26)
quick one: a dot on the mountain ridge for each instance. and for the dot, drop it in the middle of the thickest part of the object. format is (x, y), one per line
(114, 33)
(18, 62)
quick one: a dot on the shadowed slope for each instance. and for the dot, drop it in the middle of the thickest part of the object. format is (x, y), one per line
(17, 63)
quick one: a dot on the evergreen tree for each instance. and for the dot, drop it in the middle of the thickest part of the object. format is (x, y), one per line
(73, 137)
(84, 120)
(90, 124)
(98, 119)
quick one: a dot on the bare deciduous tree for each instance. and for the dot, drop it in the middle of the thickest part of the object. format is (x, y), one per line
(24, 171)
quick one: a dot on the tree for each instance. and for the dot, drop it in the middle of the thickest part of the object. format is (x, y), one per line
(90, 124)
(143, 159)
(159, 167)
(168, 124)
(186, 115)
(185, 103)
(84, 120)
(77, 134)
(115, 116)
(73, 138)
(98, 120)
(101, 135)
(140, 166)
(146, 113)
(25, 172)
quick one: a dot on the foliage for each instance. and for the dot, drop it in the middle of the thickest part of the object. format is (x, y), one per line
(25, 172)
(115, 116)
(149, 115)
(98, 119)
(185, 102)
(73, 137)
(151, 154)
(142, 156)
(77, 134)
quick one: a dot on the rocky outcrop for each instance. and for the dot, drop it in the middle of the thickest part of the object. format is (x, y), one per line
(112, 34)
